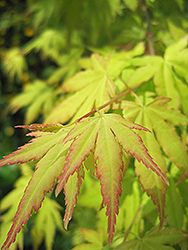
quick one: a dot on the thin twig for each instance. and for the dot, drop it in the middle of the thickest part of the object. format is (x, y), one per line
(132, 92)
(104, 105)
(109, 102)
(149, 32)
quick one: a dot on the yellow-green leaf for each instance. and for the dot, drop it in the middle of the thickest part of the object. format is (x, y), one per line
(91, 88)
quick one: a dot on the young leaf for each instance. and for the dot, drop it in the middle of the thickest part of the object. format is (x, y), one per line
(106, 135)
(91, 88)
(51, 43)
(108, 157)
(48, 170)
(97, 134)
(71, 190)
(35, 149)
(151, 183)
(14, 63)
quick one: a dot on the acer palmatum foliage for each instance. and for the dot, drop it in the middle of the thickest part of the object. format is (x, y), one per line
(61, 151)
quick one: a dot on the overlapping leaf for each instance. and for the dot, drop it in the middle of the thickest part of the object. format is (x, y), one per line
(10, 202)
(161, 70)
(48, 146)
(60, 159)
(97, 134)
(91, 88)
(155, 239)
(157, 116)
(46, 220)
(71, 191)
(94, 238)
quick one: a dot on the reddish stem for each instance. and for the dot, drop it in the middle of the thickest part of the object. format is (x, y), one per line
(104, 105)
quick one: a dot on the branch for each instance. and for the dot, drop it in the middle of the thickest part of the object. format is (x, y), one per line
(149, 32)
(104, 105)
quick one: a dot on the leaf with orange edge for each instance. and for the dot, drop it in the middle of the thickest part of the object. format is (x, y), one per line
(61, 155)
(48, 147)
(108, 157)
(37, 147)
(71, 191)
(150, 182)
(106, 135)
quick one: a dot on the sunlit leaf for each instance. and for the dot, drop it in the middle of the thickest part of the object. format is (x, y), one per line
(91, 88)
(48, 170)
(160, 118)
(109, 165)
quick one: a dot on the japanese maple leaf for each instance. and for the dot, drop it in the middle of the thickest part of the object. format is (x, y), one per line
(106, 135)
(159, 117)
(167, 73)
(155, 239)
(61, 152)
(48, 149)
(37, 97)
(92, 88)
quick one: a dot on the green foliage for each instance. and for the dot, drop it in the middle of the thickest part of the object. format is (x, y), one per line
(106, 83)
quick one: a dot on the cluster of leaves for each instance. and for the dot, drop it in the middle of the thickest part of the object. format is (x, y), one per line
(114, 125)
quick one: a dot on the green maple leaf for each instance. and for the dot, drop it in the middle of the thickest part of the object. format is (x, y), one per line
(155, 239)
(94, 238)
(161, 70)
(61, 152)
(91, 88)
(10, 202)
(46, 220)
(37, 97)
(157, 117)
(14, 63)
(51, 43)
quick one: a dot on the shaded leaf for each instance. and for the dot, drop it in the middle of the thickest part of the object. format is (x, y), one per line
(36, 97)
(174, 209)
(44, 224)
(132, 5)
(155, 239)
(15, 64)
